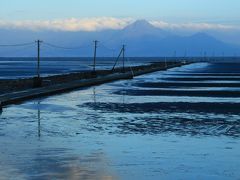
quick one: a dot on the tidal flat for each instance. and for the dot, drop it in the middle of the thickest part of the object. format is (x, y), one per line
(112, 131)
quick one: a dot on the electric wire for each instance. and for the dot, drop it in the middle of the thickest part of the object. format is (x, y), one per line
(64, 47)
(17, 45)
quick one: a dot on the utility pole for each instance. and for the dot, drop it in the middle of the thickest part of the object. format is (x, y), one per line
(37, 82)
(38, 58)
(123, 51)
(95, 54)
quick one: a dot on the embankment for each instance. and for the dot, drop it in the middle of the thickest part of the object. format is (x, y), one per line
(14, 91)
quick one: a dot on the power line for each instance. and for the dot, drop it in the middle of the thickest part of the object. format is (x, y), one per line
(16, 50)
(64, 47)
(16, 45)
(107, 48)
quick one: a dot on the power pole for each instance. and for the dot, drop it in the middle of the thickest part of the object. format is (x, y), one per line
(37, 82)
(38, 58)
(95, 54)
(123, 51)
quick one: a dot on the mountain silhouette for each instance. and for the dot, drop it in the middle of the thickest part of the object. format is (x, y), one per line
(141, 39)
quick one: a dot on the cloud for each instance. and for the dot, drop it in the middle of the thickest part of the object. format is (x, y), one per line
(192, 26)
(102, 23)
(72, 24)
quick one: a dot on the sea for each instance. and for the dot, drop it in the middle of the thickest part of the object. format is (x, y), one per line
(183, 123)
(26, 67)
(14, 68)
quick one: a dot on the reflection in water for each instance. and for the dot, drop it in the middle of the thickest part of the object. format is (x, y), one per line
(58, 165)
(100, 134)
(94, 94)
(39, 120)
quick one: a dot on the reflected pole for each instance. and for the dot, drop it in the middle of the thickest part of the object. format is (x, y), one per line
(39, 120)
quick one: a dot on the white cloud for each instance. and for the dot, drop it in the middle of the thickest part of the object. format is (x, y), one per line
(192, 26)
(72, 24)
(101, 23)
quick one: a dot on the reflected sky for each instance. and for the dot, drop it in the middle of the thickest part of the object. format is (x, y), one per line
(96, 133)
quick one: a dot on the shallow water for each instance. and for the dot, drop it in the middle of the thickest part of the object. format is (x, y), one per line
(96, 133)
(12, 68)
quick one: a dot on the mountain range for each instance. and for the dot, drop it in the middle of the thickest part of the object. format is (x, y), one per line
(141, 38)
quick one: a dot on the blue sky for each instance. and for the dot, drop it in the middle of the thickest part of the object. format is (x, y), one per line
(92, 15)
(220, 11)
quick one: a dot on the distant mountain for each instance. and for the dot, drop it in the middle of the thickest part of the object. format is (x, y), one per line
(142, 28)
(141, 39)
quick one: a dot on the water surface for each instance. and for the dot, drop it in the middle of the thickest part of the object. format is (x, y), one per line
(107, 132)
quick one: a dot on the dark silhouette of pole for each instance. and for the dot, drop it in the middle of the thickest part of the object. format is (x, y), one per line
(95, 55)
(117, 59)
(38, 58)
(37, 82)
(123, 53)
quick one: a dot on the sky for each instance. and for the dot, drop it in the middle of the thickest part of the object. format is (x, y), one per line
(115, 14)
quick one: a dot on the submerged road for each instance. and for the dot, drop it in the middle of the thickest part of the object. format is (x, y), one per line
(68, 82)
